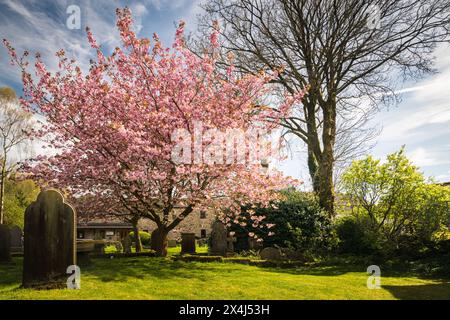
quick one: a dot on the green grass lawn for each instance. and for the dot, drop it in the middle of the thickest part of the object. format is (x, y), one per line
(163, 278)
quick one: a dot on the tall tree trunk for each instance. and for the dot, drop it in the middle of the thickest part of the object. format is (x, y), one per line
(326, 186)
(322, 180)
(313, 170)
(137, 237)
(159, 241)
(2, 190)
(326, 165)
(321, 150)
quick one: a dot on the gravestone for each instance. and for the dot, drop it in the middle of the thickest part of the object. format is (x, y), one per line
(99, 248)
(119, 247)
(218, 239)
(171, 243)
(271, 253)
(254, 244)
(126, 244)
(230, 244)
(5, 243)
(291, 254)
(49, 241)
(16, 239)
(187, 243)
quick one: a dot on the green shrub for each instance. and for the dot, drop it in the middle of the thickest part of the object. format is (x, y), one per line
(145, 237)
(356, 237)
(299, 223)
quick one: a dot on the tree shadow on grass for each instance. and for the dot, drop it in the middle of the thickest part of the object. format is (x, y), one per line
(339, 269)
(11, 273)
(139, 268)
(150, 267)
(435, 291)
(316, 271)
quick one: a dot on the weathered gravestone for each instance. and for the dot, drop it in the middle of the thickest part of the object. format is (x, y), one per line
(218, 239)
(254, 244)
(119, 247)
(99, 248)
(187, 243)
(230, 244)
(271, 253)
(296, 255)
(49, 241)
(171, 243)
(5, 243)
(126, 244)
(16, 239)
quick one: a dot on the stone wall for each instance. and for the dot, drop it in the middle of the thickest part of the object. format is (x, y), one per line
(194, 223)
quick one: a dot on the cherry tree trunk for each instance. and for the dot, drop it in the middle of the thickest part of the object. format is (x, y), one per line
(159, 242)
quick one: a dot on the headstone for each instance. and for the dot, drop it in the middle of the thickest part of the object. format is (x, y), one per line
(16, 239)
(172, 243)
(187, 243)
(99, 248)
(230, 244)
(218, 239)
(5, 243)
(271, 253)
(119, 247)
(254, 244)
(292, 254)
(126, 244)
(49, 241)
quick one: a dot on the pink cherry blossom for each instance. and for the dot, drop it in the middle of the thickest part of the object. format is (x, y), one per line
(112, 125)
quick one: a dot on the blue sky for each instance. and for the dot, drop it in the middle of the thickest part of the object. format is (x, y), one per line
(421, 121)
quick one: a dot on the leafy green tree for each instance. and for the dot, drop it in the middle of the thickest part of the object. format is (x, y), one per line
(395, 198)
(15, 127)
(18, 195)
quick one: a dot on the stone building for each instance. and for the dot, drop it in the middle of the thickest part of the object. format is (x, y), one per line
(102, 229)
(198, 222)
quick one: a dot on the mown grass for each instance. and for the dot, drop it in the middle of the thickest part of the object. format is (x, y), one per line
(163, 278)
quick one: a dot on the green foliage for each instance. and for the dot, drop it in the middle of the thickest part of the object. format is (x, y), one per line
(145, 237)
(356, 237)
(300, 223)
(18, 195)
(394, 200)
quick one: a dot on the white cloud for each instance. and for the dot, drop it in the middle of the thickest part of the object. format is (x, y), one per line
(420, 157)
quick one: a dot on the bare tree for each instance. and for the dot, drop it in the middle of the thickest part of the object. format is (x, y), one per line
(15, 126)
(351, 53)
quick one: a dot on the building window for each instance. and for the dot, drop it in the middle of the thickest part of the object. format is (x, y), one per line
(80, 234)
(203, 233)
(202, 214)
